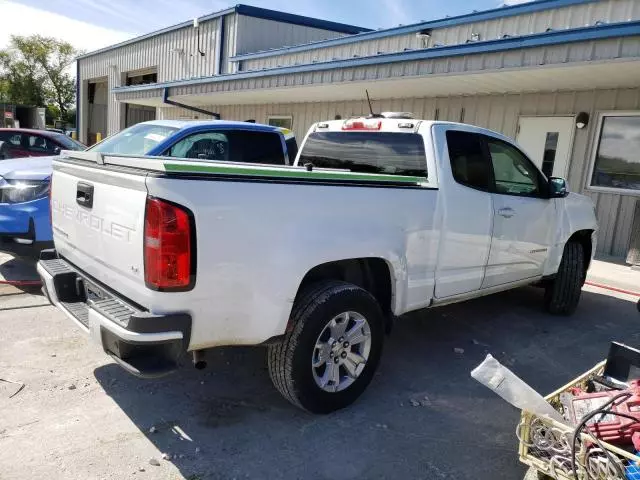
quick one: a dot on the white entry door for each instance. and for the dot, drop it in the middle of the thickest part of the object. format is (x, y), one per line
(548, 142)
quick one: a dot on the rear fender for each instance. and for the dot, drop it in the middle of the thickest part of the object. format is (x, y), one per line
(346, 246)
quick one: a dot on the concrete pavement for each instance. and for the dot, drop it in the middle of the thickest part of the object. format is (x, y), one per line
(613, 273)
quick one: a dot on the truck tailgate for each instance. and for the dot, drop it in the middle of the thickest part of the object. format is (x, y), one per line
(98, 223)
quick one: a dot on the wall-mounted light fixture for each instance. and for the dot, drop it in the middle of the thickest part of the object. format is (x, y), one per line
(582, 120)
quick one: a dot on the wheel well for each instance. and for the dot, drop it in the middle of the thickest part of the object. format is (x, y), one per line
(371, 274)
(584, 237)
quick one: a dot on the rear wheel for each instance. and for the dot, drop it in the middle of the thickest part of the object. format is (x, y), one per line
(563, 293)
(330, 355)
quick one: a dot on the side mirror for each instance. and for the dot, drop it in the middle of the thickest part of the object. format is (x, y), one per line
(558, 187)
(57, 150)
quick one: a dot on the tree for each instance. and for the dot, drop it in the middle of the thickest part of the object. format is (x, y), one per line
(35, 71)
(22, 81)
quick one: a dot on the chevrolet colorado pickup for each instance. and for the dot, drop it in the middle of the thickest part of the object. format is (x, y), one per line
(156, 256)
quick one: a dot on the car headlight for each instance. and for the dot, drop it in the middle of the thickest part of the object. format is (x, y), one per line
(19, 191)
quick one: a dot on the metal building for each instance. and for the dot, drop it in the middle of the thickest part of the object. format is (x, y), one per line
(560, 76)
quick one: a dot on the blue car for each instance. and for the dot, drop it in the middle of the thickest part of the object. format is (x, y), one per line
(25, 228)
(25, 225)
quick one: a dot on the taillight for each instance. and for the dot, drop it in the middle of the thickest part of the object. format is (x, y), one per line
(167, 246)
(362, 124)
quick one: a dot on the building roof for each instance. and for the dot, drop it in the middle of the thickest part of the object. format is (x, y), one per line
(604, 31)
(501, 12)
(248, 11)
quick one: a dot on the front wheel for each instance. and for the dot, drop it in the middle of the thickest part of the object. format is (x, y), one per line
(562, 295)
(329, 356)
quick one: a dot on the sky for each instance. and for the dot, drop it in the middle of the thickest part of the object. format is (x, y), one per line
(93, 24)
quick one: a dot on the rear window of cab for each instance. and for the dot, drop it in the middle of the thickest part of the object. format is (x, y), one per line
(389, 153)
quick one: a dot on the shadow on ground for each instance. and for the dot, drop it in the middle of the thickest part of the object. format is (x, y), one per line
(13, 271)
(242, 428)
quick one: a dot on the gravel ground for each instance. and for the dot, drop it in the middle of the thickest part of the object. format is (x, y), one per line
(79, 416)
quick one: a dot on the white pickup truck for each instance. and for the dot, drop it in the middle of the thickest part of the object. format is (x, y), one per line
(158, 256)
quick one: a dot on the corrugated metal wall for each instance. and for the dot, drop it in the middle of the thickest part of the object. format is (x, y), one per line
(563, 54)
(152, 52)
(255, 34)
(230, 39)
(497, 112)
(160, 52)
(608, 11)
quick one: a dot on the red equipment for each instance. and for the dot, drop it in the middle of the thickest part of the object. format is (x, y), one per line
(614, 429)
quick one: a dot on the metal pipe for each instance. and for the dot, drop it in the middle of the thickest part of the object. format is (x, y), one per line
(198, 360)
(165, 99)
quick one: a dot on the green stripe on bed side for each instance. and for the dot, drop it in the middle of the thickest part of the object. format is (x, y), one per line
(301, 174)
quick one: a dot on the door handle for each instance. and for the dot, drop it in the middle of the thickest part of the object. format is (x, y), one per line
(84, 194)
(506, 212)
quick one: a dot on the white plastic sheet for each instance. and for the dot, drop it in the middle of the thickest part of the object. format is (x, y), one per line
(492, 374)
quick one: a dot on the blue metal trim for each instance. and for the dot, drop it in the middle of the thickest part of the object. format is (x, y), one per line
(508, 11)
(277, 16)
(221, 47)
(615, 30)
(242, 10)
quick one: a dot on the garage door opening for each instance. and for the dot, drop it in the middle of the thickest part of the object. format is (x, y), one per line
(97, 101)
(138, 113)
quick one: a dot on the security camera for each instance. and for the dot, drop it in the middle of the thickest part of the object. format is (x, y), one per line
(196, 24)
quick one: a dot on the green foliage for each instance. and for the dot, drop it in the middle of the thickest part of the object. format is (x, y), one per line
(34, 70)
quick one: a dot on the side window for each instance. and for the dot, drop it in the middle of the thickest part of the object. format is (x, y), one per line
(202, 146)
(513, 172)
(231, 145)
(12, 139)
(469, 165)
(257, 147)
(38, 144)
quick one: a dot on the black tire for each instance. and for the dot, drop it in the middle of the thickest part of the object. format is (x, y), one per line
(290, 361)
(562, 295)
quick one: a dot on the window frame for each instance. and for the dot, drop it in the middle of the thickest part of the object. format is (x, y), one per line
(280, 117)
(595, 145)
(543, 181)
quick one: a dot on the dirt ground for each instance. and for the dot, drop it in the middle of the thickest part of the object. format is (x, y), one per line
(79, 416)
